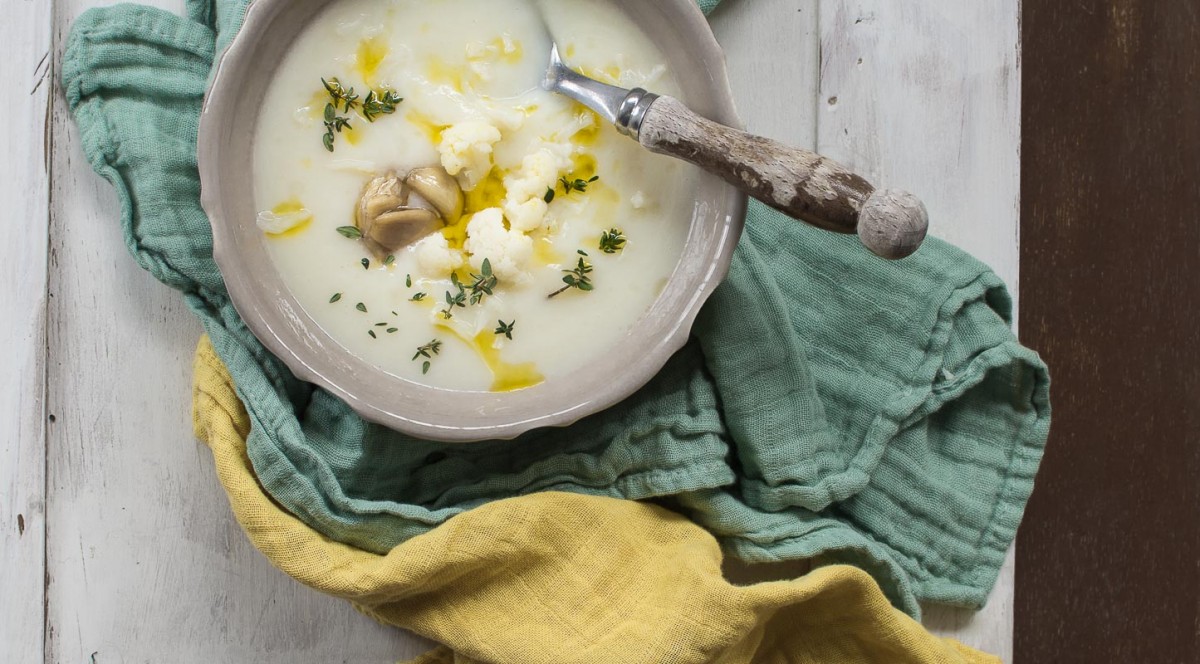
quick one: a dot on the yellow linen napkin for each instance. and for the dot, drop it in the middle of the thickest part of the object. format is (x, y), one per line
(559, 577)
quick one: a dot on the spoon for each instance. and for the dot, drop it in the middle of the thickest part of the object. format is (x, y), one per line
(802, 184)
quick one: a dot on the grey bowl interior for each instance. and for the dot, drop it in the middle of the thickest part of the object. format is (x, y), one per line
(262, 298)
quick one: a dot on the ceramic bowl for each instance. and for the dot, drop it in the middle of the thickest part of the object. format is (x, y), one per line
(272, 313)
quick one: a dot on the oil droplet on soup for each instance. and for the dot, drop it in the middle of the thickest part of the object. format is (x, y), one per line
(369, 56)
(505, 377)
(289, 207)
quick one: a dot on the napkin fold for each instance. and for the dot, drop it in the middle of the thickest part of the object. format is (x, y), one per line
(562, 578)
(831, 404)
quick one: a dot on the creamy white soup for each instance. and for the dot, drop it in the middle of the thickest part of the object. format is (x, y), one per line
(442, 217)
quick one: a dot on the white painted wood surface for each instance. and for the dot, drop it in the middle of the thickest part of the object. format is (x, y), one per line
(925, 96)
(24, 191)
(144, 562)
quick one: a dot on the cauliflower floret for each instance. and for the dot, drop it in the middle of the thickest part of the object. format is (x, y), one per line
(539, 171)
(526, 216)
(525, 205)
(507, 251)
(435, 257)
(466, 150)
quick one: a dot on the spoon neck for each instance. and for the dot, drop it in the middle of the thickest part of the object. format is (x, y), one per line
(626, 109)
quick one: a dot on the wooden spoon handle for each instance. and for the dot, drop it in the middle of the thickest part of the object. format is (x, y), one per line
(799, 183)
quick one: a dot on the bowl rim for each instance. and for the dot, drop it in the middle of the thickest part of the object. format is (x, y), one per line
(243, 291)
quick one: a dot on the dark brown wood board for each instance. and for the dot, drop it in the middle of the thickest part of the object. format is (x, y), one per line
(1108, 558)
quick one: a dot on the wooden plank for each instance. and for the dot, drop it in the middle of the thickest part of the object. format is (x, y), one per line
(1111, 252)
(24, 177)
(146, 561)
(924, 96)
(776, 87)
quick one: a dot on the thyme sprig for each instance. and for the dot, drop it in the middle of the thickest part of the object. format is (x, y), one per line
(428, 351)
(340, 96)
(458, 299)
(578, 277)
(612, 241)
(577, 184)
(334, 124)
(506, 329)
(483, 284)
(377, 103)
(380, 103)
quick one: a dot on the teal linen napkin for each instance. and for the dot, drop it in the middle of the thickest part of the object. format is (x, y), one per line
(831, 404)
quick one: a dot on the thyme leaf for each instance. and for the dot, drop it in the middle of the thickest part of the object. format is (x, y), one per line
(612, 241)
(380, 103)
(577, 184)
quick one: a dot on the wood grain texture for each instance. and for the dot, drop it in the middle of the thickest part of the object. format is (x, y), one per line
(925, 96)
(24, 177)
(788, 68)
(1111, 256)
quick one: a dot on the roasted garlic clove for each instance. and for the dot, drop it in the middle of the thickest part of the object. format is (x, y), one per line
(394, 213)
(441, 190)
(382, 194)
(377, 205)
(400, 228)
